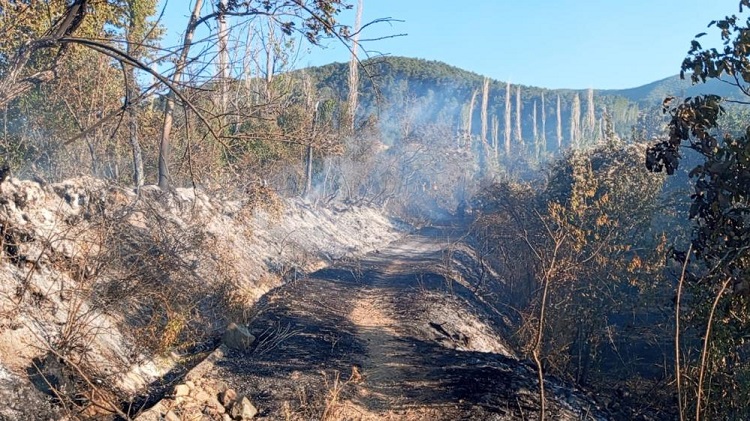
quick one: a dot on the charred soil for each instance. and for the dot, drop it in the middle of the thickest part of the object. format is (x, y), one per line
(393, 335)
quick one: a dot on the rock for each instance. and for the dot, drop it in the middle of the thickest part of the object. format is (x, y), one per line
(243, 409)
(237, 337)
(181, 390)
(226, 417)
(227, 397)
(171, 416)
(202, 396)
(190, 384)
(214, 404)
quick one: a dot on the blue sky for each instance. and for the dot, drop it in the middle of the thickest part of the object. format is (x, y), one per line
(603, 44)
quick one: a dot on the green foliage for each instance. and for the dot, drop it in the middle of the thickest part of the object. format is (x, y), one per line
(720, 212)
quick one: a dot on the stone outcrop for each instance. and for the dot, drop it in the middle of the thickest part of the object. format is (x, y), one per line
(237, 337)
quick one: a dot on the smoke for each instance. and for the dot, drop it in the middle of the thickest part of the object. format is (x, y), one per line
(412, 160)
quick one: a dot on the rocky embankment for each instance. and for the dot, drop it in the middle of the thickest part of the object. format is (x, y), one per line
(107, 296)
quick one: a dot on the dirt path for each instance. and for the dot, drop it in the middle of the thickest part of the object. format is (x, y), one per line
(388, 336)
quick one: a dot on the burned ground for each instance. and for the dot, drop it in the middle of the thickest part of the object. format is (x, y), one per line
(388, 336)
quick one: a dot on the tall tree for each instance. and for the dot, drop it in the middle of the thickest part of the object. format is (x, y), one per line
(535, 132)
(137, 34)
(559, 125)
(485, 103)
(507, 120)
(590, 125)
(168, 119)
(469, 117)
(222, 73)
(575, 122)
(518, 133)
(354, 69)
(495, 135)
(544, 125)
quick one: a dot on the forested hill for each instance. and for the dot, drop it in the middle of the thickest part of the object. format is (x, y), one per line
(654, 92)
(412, 92)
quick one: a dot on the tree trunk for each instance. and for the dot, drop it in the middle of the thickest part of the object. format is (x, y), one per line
(270, 63)
(590, 115)
(469, 118)
(544, 125)
(135, 144)
(485, 103)
(519, 135)
(507, 120)
(535, 132)
(308, 171)
(131, 89)
(575, 122)
(164, 144)
(354, 70)
(559, 126)
(495, 135)
(223, 57)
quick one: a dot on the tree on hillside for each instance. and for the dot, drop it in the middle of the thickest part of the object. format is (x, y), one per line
(517, 132)
(589, 129)
(507, 120)
(468, 118)
(495, 136)
(354, 69)
(575, 123)
(535, 132)
(718, 268)
(485, 103)
(559, 125)
(543, 140)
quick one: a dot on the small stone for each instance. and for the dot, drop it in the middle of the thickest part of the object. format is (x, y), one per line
(221, 386)
(226, 417)
(243, 409)
(190, 384)
(227, 397)
(214, 404)
(171, 416)
(181, 390)
(202, 396)
(237, 337)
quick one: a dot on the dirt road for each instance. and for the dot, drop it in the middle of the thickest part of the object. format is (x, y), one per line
(397, 334)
